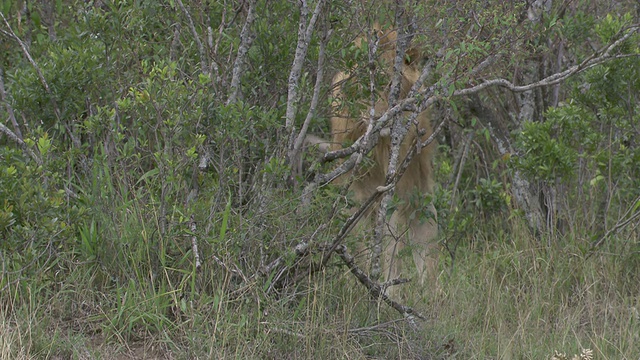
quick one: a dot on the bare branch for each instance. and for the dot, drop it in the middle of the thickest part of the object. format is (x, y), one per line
(380, 190)
(368, 136)
(601, 56)
(457, 171)
(294, 154)
(398, 132)
(173, 49)
(409, 103)
(196, 38)
(246, 39)
(11, 135)
(12, 116)
(417, 101)
(630, 215)
(17, 135)
(43, 81)
(299, 250)
(23, 46)
(375, 289)
(305, 31)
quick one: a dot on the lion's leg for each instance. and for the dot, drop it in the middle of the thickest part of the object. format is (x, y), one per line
(424, 248)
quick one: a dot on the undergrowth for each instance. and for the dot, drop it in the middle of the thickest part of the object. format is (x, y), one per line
(505, 297)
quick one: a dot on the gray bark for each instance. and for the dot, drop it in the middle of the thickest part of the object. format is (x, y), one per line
(295, 152)
(398, 133)
(246, 39)
(305, 32)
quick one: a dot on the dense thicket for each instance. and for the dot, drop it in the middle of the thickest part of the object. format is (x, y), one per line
(153, 172)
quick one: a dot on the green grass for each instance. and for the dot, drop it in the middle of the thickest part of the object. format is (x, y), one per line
(126, 290)
(508, 300)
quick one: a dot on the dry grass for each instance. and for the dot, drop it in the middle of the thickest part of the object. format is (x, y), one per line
(503, 299)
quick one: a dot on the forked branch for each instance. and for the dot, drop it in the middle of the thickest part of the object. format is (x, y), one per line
(375, 289)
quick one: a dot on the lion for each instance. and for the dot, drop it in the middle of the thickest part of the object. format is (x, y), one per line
(412, 227)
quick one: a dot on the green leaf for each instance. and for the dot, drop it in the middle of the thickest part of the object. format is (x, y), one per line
(636, 206)
(149, 173)
(596, 180)
(451, 89)
(44, 144)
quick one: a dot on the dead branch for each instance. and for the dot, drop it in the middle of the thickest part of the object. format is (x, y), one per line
(417, 101)
(13, 137)
(597, 58)
(375, 289)
(412, 103)
(364, 207)
(12, 116)
(398, 132)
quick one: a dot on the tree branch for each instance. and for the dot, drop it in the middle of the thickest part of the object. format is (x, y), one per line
(12, 136)
(246, 39)
(630, 215)
(305, 31)
(196, 38)
(376, 290)
(409, 103)
(194, 242)
(294, 155)
(43, 81)
(398, 133)
(599, 57)
(12, 116)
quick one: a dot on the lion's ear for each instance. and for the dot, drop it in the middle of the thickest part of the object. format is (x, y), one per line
(387, 39)
(414, 57)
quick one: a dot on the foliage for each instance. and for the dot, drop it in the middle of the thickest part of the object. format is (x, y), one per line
(587, 145)
(143, 156)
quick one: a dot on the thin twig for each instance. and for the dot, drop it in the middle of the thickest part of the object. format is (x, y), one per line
(628, 217)
(459, 168)
(12, 116)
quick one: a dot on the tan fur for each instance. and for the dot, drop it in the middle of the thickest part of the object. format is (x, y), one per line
(417, 233)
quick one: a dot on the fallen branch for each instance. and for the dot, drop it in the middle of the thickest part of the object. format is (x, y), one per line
(376, 289)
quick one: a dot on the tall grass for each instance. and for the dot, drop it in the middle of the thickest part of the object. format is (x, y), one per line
(507, 299)
(122, 287)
